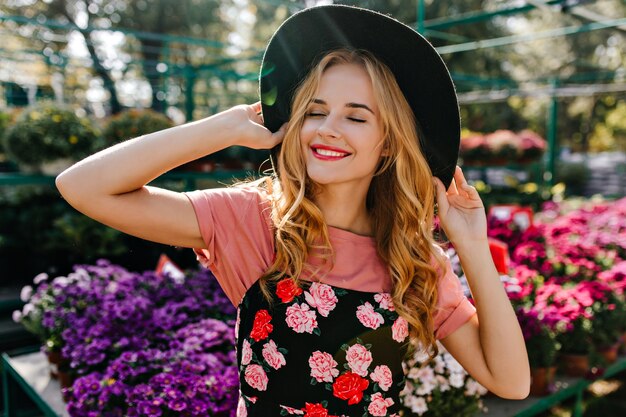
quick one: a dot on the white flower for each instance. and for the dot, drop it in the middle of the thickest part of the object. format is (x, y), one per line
(457, 380)
(28, 309)
(443, 383)
(418, 405)
(452, 364)
(425, 388)
(474, 388)
(40, 278)
(26, 293)
(17, 316)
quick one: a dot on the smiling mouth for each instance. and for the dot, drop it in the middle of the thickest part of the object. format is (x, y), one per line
(328, 154)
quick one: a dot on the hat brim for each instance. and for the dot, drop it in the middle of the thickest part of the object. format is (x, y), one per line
(305, 37)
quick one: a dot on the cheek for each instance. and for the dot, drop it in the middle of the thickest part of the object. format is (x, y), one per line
(308, 131)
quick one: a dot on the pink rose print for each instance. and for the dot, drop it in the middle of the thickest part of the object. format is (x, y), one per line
(272, 356)
(385, 301)
(246, 353)
(322, 297)
(256, 377)
(368, 317)
(378, 405)
(359, 359)
(382, 375)
(238, 322)
(400, 330)
(301, 318)
(242, 411)
(291, 410)
(323, 366)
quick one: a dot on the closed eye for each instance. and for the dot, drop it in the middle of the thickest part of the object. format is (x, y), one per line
(315, 114)
(354, 119)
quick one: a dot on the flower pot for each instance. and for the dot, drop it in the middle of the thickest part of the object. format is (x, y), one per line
(541, 380)
(54, 359)
(575, 365)
(65, 379)
(609, 354)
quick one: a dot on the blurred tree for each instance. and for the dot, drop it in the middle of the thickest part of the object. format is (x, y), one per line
(198, 18)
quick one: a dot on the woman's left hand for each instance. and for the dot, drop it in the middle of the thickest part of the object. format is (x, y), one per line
(461, 211)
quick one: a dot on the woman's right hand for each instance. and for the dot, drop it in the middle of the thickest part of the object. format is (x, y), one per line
(247, 124)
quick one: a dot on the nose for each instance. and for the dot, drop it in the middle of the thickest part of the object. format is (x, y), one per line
(327, 128)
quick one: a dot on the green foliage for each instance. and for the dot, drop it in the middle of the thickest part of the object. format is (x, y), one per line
(577, 340)
(133, 123)
(542, 349)
(451, 403)
(4, 123)
(47, 132)
(39, 232)
(609, 318)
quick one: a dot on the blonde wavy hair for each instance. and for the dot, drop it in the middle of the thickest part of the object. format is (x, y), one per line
(401, 185)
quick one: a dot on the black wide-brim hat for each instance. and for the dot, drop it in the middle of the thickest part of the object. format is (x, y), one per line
(304, 38)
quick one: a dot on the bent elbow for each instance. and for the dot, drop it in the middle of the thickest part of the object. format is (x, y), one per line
(518, 392)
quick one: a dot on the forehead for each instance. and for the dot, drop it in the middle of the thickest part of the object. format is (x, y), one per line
(346, 82)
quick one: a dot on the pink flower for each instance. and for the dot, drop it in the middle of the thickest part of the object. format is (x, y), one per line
(290, 410)
(400, 330)
(378, 405)
(256, 377)
(382, 375)
(301, 318)
(272, 355)
(368, 317)
(246, 353)
(385, 301)
(323, 366)
(242, 411)
(359, 359)
(322, 297)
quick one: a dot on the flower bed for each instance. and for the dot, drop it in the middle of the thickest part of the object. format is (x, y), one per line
(146, 344)
(501, 147)
(138, 344)
(569, 280)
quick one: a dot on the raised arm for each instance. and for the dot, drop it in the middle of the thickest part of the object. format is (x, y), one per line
(490, 346)
(110, 186)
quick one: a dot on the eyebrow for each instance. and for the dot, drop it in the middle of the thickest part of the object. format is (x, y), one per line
(350, 105)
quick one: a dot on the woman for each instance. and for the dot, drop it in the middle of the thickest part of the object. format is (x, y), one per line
(331, 263)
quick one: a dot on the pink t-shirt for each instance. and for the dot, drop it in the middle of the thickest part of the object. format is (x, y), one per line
(236, 227)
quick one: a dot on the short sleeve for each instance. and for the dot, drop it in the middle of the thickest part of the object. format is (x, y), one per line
(236, 228)
(453, 308)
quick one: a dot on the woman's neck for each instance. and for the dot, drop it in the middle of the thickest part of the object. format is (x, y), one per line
(345, 209)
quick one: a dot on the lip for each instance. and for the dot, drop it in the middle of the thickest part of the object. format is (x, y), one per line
(317, 155)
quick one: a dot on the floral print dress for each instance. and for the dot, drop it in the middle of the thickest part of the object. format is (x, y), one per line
(319, 351)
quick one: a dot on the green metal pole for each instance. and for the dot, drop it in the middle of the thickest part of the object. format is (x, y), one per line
(552, 135)
(421, 10)
(190, 80)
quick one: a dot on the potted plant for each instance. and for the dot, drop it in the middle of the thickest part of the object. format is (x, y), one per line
(440, 388)
(38, 317)
(133, 123)
(608, 319)
(539, 332)
(48, 138)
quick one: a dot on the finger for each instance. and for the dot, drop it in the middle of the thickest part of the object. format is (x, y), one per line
(471, 191)
(256, 107)
(279, 135)
(442, 199)
(461, 182)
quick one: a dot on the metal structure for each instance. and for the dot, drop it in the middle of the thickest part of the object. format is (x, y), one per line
(194, 81)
